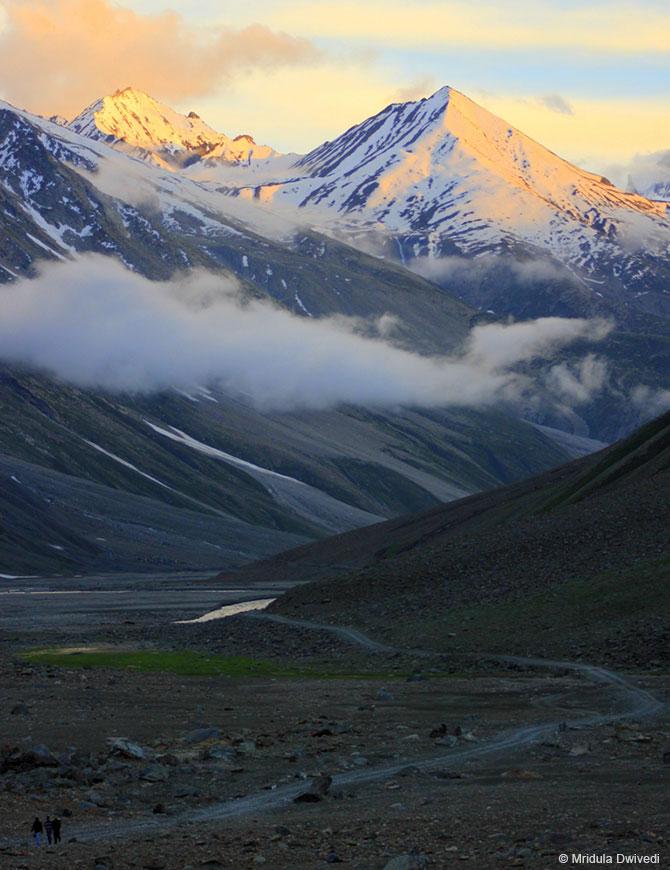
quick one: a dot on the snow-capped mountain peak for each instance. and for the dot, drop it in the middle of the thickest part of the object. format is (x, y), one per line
(447, 140)
(443, 176)
(132, 119)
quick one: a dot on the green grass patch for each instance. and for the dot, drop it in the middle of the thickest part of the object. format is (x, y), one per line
(187, 663)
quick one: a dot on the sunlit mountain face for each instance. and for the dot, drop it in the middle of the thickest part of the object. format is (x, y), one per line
(132, 119)
(442, 177)
(441, 186)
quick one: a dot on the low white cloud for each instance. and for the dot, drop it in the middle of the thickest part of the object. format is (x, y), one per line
(578, 382)
(416, 90)
(95, 324)
(648, 174)
(650, 401)
(457, 268)
(557, 103)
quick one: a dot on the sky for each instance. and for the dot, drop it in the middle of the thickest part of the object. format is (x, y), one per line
(590, 79)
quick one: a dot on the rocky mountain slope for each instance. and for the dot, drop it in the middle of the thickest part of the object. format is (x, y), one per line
(574, 560)
(63, 194)
(108, 479)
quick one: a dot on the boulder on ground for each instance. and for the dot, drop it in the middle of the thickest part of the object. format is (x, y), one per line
(27, 759)
(125, 747)
(154, 773)
(200, 735)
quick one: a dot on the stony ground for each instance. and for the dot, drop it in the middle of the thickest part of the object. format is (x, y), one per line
(205, 740)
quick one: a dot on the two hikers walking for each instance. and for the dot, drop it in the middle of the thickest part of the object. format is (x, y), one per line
(51, 828)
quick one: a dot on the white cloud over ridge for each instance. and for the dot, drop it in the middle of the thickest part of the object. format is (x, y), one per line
(95, 324)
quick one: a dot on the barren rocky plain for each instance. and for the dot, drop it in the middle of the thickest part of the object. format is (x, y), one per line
(243, 742)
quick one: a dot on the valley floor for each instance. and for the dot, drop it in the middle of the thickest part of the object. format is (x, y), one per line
(318, 707)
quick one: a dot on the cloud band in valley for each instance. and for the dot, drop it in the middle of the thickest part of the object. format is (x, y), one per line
(93, 323)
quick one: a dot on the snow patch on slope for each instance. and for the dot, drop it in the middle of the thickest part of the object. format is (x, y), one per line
(305, 500)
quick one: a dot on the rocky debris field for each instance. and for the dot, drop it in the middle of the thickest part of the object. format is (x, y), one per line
(106, 750)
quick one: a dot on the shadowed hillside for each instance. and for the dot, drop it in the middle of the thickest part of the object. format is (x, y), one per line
(575, 561)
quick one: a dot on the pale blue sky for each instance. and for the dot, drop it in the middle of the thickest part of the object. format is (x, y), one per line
(617, 79)
(588, 78)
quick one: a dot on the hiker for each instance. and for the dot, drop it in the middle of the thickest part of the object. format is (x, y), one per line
(49, 829)
(36, 831)
(56, 827)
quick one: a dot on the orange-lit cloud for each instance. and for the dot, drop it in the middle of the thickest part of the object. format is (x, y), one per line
(59, 55)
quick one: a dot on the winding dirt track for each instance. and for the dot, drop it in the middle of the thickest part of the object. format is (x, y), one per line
(631, 701)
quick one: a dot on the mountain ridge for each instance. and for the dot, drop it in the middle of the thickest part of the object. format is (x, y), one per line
(134, 119)
(444, 177)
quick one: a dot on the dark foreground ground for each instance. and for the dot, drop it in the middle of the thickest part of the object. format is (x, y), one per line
(600, 789)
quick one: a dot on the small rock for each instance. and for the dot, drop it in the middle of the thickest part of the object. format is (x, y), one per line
(154, 773)
(579, 749)
(125, 747)
(322, 784)
(521, 774)
(200, 735)
(95, 798)
(169, 759)
(447, 774)
(383, 695)
(333, 858)
(159, 809)
(447, 740)
(307, 797)
(37, 756)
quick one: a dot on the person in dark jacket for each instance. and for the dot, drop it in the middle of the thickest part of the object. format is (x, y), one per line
(36, 831)
(49, 829)
(56, 826)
